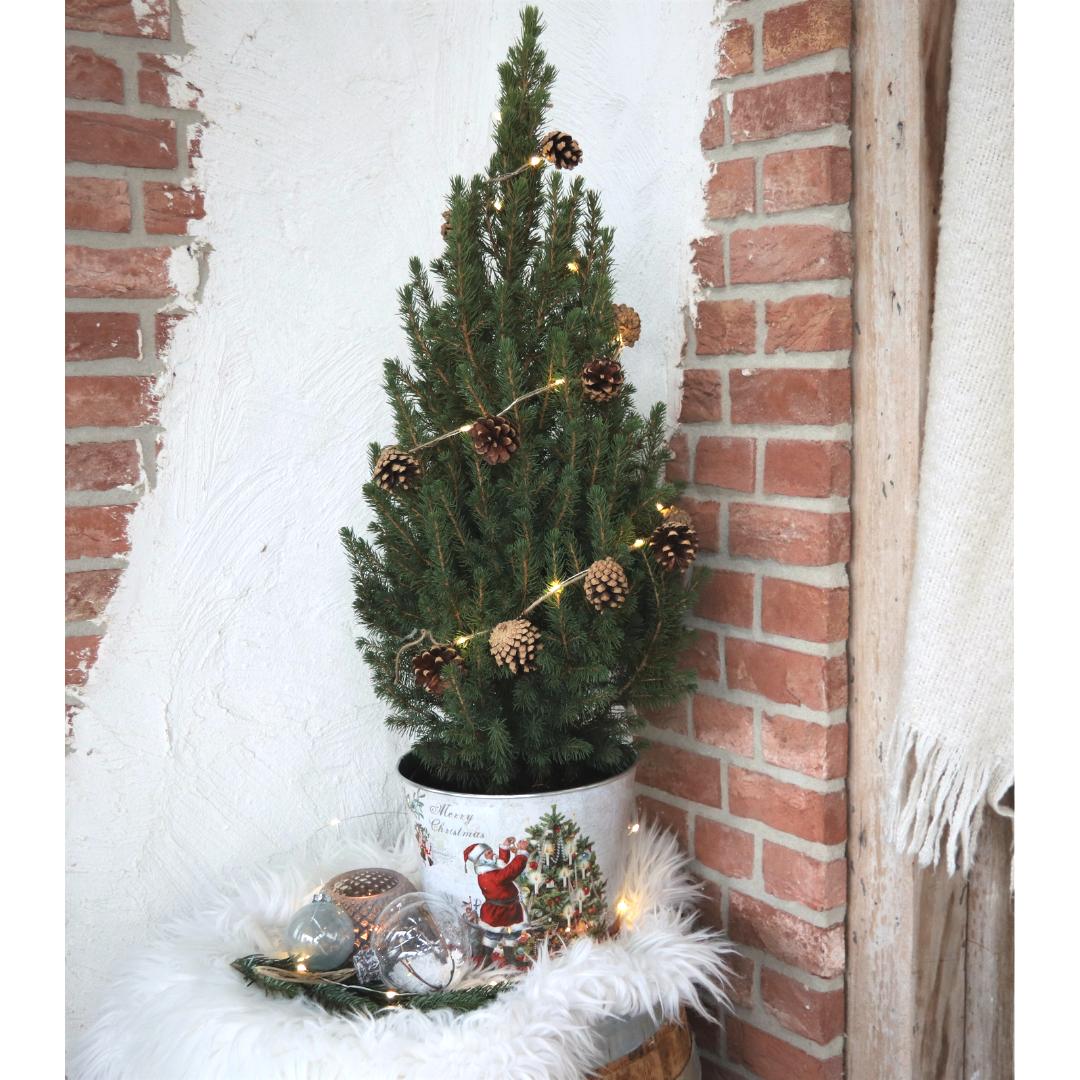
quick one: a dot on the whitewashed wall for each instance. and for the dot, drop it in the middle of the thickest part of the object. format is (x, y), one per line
(229, 715)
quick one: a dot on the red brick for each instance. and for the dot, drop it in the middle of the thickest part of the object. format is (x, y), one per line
(79, 656)
(812, 815)
(724, 724)
(796, 537)
(111, 139)
(119, 17)
(682, 773)
(670, 717)
(799, 467)
(725, 327)
(712, 134)
(725, 462)
(813, 749)
(706, 518)
(701, 395)
(742, 980)
(729, 851)
(710, 904)
(89, 76)
(92, 202)
(735, 49)
(727, 597)
(87, 592)
(678, 466)
(100, 335)
(789, 253)
(165, 324)
(708, 260)
(96, 532)
(94, 466)
(817, 1015)
(796, 179)
(799, 30)
(771, 1058)
(162, 85)
(666, 816)
(791, 396)
(816, 323)
(818, 950)
(786, 676)
(120, 273)
(796, 610)
(169, 208)
(109, 401)
(791, 875)
(702, 655)
(805, 104)
(730, 190)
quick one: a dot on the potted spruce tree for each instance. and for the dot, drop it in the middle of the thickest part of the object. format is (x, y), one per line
(522, 593)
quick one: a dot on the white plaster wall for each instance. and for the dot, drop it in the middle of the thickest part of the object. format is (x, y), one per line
(229, 715)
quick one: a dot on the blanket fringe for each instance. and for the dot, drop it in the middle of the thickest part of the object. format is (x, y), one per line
(938, 799)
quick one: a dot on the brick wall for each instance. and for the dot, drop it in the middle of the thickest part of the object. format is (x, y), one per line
(751, 771)
(132, 133)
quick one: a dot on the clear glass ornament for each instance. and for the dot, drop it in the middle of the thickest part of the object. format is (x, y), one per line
(320, 935)
(422, 944)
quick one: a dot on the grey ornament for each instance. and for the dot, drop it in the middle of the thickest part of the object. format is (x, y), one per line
(320, 935)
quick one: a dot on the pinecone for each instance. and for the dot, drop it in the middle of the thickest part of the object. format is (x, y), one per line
(602, 378)
(429, 665)
(515, 643)
(674, 541)
(561, 150)
(444, 229)
(605, 584)
(494, 438)
(395, 468)
(628, 323)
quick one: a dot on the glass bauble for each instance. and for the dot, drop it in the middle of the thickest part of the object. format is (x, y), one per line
(422, 944)
(320, 935)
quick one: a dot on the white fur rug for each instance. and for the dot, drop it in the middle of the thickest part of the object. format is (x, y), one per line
(179, 1010)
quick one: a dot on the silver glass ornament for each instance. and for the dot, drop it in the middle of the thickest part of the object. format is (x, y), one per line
(320, 935)
(422, 944)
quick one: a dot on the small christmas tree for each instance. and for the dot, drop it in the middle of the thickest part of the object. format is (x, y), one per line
(520, 468)
(561, 885)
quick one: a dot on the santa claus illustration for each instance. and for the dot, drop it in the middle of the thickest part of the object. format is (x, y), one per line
(501, 914)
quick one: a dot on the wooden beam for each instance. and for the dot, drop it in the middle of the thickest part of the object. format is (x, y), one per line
(906, 927)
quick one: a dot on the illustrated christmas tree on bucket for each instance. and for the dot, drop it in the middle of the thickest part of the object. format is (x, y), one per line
(562, 886)
(519, 468)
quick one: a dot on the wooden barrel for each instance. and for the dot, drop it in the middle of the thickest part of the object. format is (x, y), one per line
(664, 1056)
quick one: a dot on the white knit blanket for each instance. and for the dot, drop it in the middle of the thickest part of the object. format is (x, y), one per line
(953, 750)
(179, 1012)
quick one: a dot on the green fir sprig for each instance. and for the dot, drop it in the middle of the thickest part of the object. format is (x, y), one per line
(343, 998)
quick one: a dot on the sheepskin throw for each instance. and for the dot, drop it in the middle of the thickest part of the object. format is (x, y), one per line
(179, 1012)
(953, 750)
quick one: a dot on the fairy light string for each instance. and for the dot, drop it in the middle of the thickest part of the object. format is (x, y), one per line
(553, 589)
(464, 429)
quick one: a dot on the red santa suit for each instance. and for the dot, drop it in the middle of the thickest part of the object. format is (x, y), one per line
(502, 901)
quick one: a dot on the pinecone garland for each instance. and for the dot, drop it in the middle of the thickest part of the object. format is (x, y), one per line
(605, 585)
(602, 378)
(428, 667)
(494, 438)
(674, 541)
(628, 324)
(515, 643)
(395, 469)
(561, 150)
